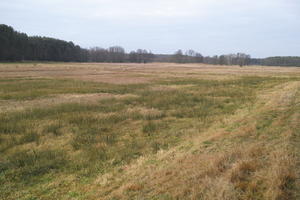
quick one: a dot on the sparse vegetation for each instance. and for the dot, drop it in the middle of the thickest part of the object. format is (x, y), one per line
(174, 137)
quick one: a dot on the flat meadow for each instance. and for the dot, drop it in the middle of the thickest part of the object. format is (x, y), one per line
(149, 131)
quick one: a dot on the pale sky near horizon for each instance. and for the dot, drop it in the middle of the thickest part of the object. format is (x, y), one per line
(261, 28)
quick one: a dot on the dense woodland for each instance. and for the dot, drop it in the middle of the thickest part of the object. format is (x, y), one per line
(16, 46)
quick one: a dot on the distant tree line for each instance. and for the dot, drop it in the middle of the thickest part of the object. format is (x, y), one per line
(112, 54)
(118, 54)
(241, 59)
(16, 46)
(191, 56)
(277, 61)
(141, 56)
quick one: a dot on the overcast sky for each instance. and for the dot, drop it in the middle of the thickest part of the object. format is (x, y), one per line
(259, 27)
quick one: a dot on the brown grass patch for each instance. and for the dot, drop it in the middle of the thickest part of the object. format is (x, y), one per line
(146, 113)
(282, 176)
(127, 73)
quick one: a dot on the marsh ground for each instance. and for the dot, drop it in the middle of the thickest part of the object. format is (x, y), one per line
(148, 131)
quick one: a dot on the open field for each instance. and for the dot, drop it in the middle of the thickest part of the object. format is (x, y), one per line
(149, 131)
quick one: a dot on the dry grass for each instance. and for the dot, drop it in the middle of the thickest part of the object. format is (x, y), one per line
(221, 169)
(138, 73)
(153, 131)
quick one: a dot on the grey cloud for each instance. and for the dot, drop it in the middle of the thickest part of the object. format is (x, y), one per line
(259, 27)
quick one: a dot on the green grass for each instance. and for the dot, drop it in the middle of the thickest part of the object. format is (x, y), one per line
(105, 135)
(30, 164)
(28, 89)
